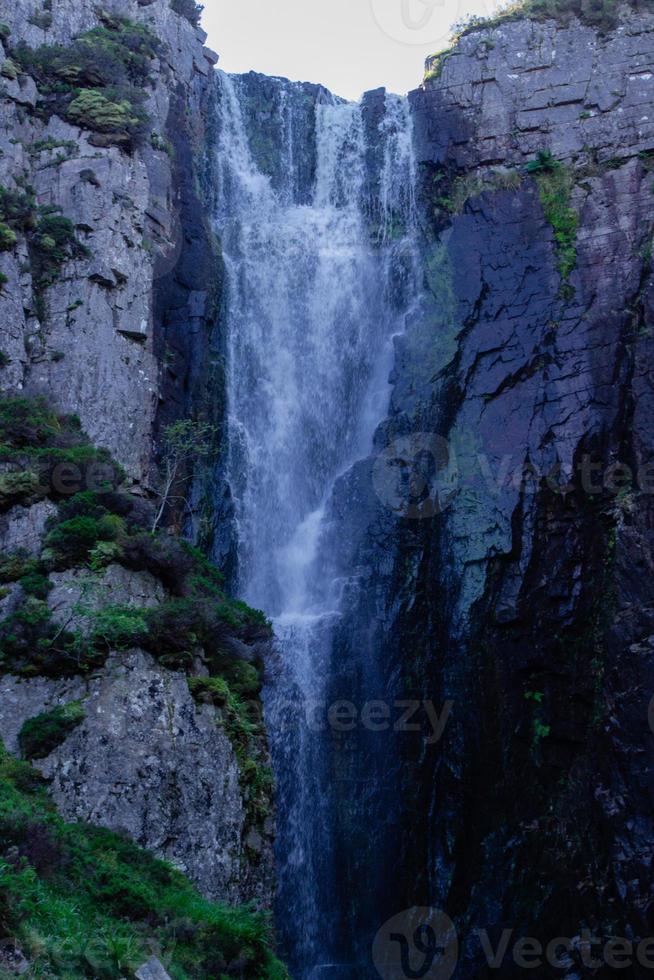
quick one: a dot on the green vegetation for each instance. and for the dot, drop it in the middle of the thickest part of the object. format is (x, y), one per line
(19, 487)
(10, 69)
(554, 181)
(600, 14)
(100, 526)
(244, 726)
(453, 194)
(112, 111)
(98, 81)
(52, 449)
(93, 528)
(42, 19)
(434, 65)
(51, 237)
(189, 9)
(8, 237)
(85, 902)
(68, 147)
(42, 735)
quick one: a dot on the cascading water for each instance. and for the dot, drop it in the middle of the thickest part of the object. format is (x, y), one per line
(313, 306)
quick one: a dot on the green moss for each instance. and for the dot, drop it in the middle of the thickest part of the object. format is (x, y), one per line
(98, 81)
(241, 719)
(8, 237)
(82, 901)
(41, 735)
(23, 487)
(555, 187)
(114, 111)
(434, 65)
(10, 69)
(210, 690)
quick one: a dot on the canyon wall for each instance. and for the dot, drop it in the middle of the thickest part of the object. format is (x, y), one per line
(124, 337)
(511, 575)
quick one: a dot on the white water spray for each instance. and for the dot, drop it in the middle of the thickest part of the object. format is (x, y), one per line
(311, 320)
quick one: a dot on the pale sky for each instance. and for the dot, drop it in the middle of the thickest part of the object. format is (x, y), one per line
(348, 45)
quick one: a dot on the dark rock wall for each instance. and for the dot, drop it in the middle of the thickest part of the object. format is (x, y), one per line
(528, 602)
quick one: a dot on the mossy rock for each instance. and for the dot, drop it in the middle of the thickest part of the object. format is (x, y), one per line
(93, 110)
(40, 736)
(8, 237)
(22, 487)
(10, 69)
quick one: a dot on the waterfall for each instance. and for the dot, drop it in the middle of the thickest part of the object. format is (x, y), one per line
(320, 277)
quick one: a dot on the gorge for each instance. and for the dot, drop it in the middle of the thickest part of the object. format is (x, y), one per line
(414, 335)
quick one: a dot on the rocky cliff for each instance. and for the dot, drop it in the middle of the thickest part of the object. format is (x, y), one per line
(511, 576)
(109, 297)
(497, 546)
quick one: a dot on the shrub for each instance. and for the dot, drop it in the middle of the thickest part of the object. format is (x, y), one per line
(31, 644)
(16, 564)
(119, 627)
(209, 690)
(70, 542)
(188, 9)
(34, 583)
(10, 69)
(42, 20)
(54, 242)
(27, 422)
(22, 487)
(8, 238)
(115, 112)
(18, 209)
(43, 734)
(97, 82)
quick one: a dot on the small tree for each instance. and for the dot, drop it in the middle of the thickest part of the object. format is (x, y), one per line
(184, 442)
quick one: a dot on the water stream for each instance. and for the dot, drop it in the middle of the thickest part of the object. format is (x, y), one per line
(313, 307)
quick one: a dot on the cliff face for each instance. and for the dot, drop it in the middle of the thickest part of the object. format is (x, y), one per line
(122, 333)
(95, 348)
(514, 580)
